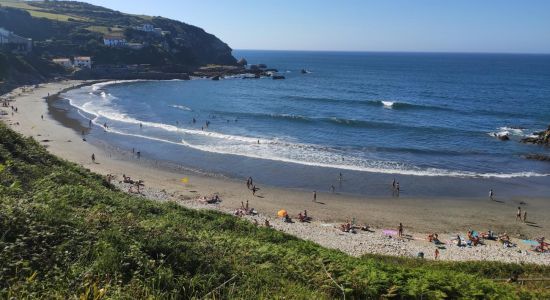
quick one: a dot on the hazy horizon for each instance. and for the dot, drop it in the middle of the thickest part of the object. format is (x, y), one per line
(363, 26)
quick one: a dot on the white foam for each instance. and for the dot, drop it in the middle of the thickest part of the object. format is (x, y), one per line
(271, 149)
(388, 104)
(182, 107)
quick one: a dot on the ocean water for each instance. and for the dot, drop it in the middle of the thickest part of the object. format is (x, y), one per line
(410, 114)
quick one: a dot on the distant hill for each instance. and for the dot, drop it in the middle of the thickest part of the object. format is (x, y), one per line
(65, 28)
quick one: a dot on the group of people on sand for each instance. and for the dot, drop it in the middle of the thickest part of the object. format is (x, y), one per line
(135, 183)
(396, 188)
(245, 210)
(519, 215)
(251, 186)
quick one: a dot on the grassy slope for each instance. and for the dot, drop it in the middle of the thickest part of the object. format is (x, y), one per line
(39, 13)
(64, 232)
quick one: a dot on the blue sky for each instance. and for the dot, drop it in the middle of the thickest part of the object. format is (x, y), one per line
(362, 25)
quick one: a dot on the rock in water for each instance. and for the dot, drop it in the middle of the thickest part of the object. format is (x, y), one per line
(541, 138)
(503, 137)
(242, 62)
(540, 157)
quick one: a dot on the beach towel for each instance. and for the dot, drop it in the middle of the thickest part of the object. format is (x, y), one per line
(530, 242)
(389, 232)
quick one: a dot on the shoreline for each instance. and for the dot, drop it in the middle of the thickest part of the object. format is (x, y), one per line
(419, 215)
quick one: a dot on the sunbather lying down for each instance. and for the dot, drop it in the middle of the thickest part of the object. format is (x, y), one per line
(210, 199)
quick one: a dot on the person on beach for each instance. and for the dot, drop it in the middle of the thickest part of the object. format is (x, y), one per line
(332, 188)
(93, 157)
(314, 196)
(400, 230)
(266, 223)
(248, 183)
(397, 189)
(254, 189)
(138, 154)
(393, 183)
(42, 117)
(436, 254)
(491, 195)
(524, 216)
(518, 214)
(90, 123)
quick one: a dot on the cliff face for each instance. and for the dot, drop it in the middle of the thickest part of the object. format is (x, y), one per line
(67, 28)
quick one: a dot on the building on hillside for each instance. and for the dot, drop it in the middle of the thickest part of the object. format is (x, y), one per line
(114, 41)
(83, 62)
(64, 62)
(157, 31)
(135, 46)
(145, 27)
(13, 42)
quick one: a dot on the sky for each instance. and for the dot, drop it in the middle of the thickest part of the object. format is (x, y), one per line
(494, 26)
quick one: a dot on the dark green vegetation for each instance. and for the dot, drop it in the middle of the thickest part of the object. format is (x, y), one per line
(68, 28)
(64, 232)
(27, 69)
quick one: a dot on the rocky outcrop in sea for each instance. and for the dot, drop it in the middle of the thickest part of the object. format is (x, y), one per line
(541, 138)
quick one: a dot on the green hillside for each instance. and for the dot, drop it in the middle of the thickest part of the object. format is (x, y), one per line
(67, 28)
(66, 233)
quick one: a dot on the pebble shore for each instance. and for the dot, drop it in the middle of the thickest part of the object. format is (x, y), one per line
(369, 242)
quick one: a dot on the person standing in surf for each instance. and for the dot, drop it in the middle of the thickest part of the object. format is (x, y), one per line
(314, 196)
(491, 195)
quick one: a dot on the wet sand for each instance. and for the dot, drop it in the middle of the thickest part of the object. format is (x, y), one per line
(419, 215)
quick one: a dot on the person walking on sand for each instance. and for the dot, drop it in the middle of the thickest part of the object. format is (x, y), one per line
(93, 157)
(518, 214)
(332, 188)
(400, 230)
(254, 189)
(42, 117)
(491, 195)
(393, 183)
(341, 177)
(436, 254)
(314, 196)
(397, 188)
(524, 216)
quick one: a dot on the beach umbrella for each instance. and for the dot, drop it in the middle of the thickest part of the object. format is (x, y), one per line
(282, 213)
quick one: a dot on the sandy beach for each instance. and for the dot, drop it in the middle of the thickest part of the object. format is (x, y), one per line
(447, 217)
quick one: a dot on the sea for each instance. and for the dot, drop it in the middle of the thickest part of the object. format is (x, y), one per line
(427, 119)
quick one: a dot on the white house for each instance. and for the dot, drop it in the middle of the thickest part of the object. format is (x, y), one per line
(114, 41)
(83, 62)
(146, 27)
(64, 62)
